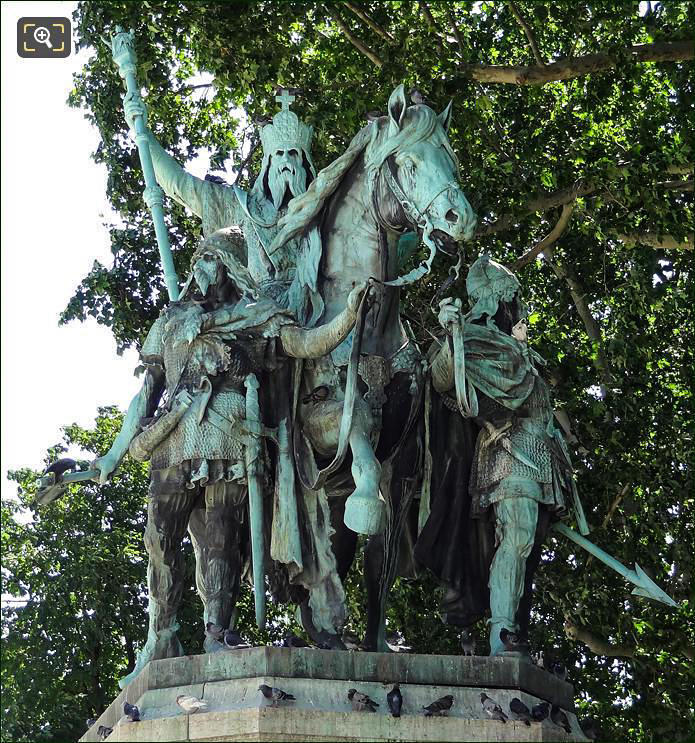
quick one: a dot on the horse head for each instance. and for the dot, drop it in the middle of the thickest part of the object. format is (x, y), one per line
(413, 156)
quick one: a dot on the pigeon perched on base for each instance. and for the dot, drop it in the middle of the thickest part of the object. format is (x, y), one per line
(539, 712)
(131, 712)
(467, 643)
(559, 718)
(90, 722)
(61, 466)
(361, 702)
(440, 707)
(234, 641)
(277, 695)
(190, 705)
(511, 640)
(103, 732)
(492, 709)
(394, 699)
(520, 711)
(292, 641)
(558, 669)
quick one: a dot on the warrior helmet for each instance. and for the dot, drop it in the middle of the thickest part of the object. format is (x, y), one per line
(488, 283)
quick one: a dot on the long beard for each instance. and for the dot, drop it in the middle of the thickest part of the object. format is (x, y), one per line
(280, 182)
(205, 275)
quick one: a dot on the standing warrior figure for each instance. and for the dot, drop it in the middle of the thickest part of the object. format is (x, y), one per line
(521, 470)
(198, 357)
(286, 172)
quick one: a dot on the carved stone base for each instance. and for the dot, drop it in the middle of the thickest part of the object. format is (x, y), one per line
(320, 680)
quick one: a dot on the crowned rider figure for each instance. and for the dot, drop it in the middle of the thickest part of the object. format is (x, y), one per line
(286, 171)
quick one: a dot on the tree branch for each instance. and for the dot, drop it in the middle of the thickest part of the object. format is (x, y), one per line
(655, 240)
(567, 274)
(597, 644)
(564, 196)
(433, 25)
(548, 240)
(364, 16)
(454, 27)
(528, 31)
(359, 45)
(567, 69)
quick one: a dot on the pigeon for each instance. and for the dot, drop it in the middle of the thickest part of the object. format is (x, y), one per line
(351, 640)
(467, 643)
(131, 712)
(216, 179)
(103, 732)
(214, 631)
(520, 711)
(417, 97)
(374, 115)
(90, 722)
(277, 695)
(492, 709)
(261, 121)
(590, 728)
(61, 466)
(539, 712)
(510, 640)
(394, 699)
(292, 641)
(560, 718)
(439, 707)
(234, 640)
(190, 705)
(558, 669)
(361, 702)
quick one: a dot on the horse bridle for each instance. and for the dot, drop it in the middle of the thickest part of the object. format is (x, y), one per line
(414, 215)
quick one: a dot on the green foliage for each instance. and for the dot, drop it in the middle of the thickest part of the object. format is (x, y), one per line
(622, 130)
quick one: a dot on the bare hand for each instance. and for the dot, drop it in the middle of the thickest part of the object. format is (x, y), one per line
(106, 466)
(355, 296)
(132, 108)
(449, 313)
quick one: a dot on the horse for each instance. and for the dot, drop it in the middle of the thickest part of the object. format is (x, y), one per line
(398, 175)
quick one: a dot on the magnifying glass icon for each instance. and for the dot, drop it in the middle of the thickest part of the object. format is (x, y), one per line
(43, 36)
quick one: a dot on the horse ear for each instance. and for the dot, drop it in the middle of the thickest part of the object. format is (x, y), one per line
(397, 106)
(445, 116)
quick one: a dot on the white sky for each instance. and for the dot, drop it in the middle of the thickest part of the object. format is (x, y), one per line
(53, 207)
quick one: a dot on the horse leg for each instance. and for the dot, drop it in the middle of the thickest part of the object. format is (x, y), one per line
(364, 509)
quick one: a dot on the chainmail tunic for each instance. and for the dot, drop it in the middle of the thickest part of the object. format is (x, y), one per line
(498, 474)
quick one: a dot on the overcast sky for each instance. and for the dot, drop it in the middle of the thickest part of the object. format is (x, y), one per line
(53, 210)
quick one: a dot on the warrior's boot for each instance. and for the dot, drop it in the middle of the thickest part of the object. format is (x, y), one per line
(162, 644)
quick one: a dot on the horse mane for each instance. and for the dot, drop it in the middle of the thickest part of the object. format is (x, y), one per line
(378, 141)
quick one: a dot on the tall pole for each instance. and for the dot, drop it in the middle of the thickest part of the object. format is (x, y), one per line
(123, 50)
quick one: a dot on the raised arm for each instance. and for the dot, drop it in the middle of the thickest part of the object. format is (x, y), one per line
(212, 202)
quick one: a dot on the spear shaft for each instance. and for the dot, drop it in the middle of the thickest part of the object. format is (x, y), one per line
(123, 50)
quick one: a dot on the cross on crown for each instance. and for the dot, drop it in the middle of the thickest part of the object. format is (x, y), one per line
(286, 131)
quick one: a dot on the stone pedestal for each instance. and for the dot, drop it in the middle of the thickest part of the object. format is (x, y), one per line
(320, 680)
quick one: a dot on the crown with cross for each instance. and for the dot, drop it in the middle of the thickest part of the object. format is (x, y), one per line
(287, 130)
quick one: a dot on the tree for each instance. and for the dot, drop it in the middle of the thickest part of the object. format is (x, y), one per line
(570, 122)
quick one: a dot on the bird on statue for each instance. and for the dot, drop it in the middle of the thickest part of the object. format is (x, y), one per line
(440, 707)
(511, 640)
(234, 640)
(190, 705)
(292, 641)
(467, 642)
(276, 695)
(91, 722)
(374, 115)
(394, 699)
(539, 712)
(216, 179)
(559, 670)
(131, 712)
(559, 718)
(492, 709)
(61, 466)
(520, 711)
(417, 97)
(361, 702)
(103, 732)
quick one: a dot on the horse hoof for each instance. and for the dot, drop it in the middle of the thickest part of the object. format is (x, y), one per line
(364, 514)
